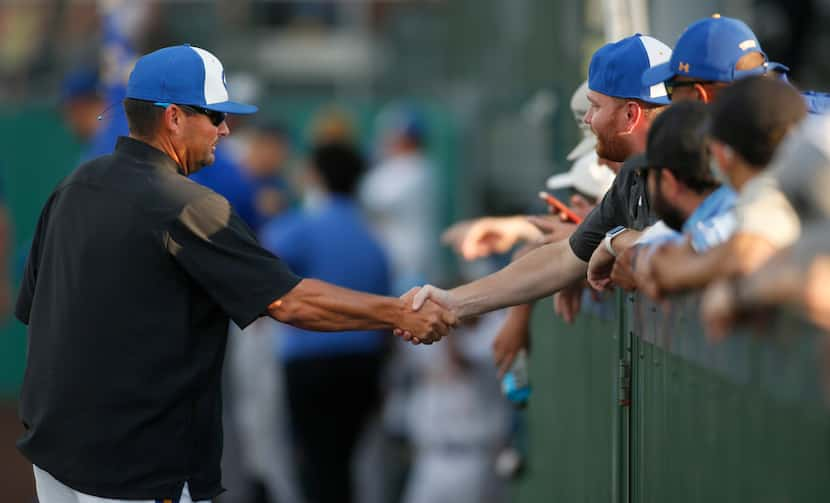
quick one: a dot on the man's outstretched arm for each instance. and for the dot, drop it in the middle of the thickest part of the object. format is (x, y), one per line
(317, 305)
(541, 272)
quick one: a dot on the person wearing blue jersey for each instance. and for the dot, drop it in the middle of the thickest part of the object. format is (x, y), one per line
(332, 380)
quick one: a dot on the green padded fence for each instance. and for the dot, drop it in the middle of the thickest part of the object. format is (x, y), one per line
(744, 420)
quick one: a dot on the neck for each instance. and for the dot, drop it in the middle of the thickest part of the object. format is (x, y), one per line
(743, 172)
(638, 140)
(166, 146)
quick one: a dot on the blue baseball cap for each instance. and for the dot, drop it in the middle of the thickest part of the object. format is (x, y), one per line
(617, 68)
(709, 49)
(79, 83)
(184, 75)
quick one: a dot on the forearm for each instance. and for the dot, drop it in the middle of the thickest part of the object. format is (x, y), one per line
(779, 281)
(537, 274)
(317, 305)
(689, 270)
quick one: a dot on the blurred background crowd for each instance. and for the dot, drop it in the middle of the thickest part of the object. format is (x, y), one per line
(382, 123)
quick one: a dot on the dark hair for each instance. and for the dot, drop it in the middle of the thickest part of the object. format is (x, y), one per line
(143, 117)
(340, 166)
(754, 114)
(677, 142)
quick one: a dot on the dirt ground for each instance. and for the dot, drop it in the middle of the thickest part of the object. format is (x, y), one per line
(16, 482)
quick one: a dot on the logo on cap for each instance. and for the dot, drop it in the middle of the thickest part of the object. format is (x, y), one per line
(683, 67)
(748, 44)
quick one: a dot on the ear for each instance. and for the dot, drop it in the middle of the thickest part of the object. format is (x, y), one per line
(703, 95)
(633, 115)
(172, 119)
(722, 153)
(669, 184)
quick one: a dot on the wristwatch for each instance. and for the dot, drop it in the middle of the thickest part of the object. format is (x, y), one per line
(616, 231)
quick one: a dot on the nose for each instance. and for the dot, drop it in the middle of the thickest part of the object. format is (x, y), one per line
(224, 130)
(588, 116)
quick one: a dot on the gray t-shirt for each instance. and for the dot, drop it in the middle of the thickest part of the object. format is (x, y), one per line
(802, 168)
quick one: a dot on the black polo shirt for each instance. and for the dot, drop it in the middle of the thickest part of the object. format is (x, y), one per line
(132, 277)
(625, 204)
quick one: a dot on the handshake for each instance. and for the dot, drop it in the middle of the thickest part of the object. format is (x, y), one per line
(428, 315)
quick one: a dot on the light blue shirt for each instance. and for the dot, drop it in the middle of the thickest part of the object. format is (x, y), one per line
(713, 221)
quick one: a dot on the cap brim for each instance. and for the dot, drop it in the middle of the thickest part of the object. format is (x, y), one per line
(777, 67)
(232, 107)
(588, 144)
(657, 74)
(560, 181)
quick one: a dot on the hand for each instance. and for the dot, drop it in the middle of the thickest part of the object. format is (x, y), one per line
(718, 310)
(599, 268)
(489, 235)
(568, 301)
(622, 274)
(425, 325)
(513, 336)
(552, 227)
(647, 281)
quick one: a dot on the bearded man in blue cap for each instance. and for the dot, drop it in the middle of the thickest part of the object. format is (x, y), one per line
(133, 276)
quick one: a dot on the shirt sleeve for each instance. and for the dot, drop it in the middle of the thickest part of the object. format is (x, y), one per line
(23, 306)
(602, 219)
(763, 210)
(212, 244)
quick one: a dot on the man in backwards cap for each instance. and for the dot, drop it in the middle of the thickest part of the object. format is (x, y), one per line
(620, 114)
(134, 273)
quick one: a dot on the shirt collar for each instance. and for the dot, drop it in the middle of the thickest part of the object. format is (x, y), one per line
(146, 153)
(718, 202)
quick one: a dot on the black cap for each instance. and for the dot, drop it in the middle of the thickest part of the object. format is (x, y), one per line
(677, 142)
(753, 115)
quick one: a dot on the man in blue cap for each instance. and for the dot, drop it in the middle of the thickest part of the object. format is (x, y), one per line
(621, 112)
(712, 53)
(133, 276)
(709, 55)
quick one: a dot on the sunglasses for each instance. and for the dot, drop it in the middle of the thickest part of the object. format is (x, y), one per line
(672, 85)
(216, 118)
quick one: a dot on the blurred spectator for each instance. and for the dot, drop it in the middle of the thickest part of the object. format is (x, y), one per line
(265, 161)
(683, 190)
(82, 103)
(798, 275)
(332, 379)
(587, 181)
(457, 388)
(749, 121)
(400, 195)
(332, 124)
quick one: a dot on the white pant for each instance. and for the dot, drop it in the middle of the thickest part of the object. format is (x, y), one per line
(50, 490)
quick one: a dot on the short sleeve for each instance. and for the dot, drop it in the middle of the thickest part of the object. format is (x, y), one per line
(763, 210)
(215, 247)
(600, 220)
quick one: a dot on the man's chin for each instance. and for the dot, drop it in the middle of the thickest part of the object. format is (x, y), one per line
(208, 161)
